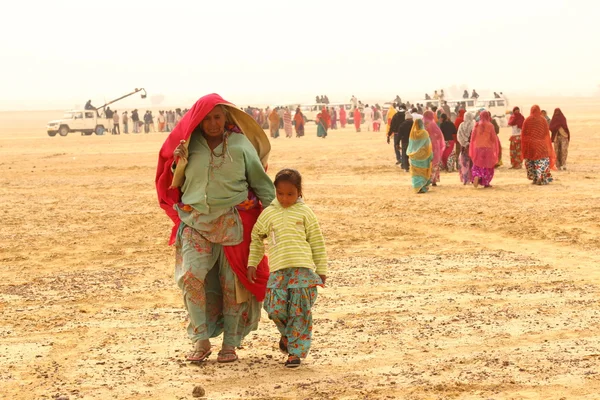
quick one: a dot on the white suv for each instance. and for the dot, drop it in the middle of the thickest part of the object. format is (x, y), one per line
(84, 121)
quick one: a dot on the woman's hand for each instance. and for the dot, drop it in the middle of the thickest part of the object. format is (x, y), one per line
(323, 278)
(180, 151)
(251, 274)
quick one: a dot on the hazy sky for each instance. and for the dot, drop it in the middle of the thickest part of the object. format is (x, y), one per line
(57, 54)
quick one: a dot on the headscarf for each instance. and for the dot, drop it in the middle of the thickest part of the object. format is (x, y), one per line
(516, 119)
(559, 121)
(435, 134)
(485, 146)
(460, 118)
(420, 153)
(465, 129)
(535, 138)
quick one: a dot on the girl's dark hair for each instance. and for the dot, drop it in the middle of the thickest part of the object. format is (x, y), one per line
(290, 175)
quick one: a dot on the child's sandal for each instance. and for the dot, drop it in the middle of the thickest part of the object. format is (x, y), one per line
(292, 362)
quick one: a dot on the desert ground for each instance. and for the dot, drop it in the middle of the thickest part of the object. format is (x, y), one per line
(460, 293)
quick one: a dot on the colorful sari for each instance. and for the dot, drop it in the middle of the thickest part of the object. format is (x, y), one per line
(516, 123)
(437, 144)
(299, 123)
(274, 124)
(287, 123)
(537, 148)
(342, 117)
(420, 154)
(321, 126)
(464, 138)
(484, 150)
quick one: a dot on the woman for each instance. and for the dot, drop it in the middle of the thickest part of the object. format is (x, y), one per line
(459, 120)
(333, 118)
(299, 122)
(378, 119)
(449, 155)
(342, 116)
(437, 144)
(537, 148)
(210, 179)
(274, 123)
(516, 123)
(483, 150)
(561, 136)
(420, 154)
(464, 138)
(357, 119)
(287, 122)
(497, 130)
(322, 123)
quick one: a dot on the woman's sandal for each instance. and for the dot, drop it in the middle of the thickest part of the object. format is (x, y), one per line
(292, 362)
(225, 356)
(283, 345)
(199, 354)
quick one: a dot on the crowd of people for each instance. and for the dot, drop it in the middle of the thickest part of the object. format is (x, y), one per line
(429, 143)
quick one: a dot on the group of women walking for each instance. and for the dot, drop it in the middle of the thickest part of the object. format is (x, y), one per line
(474, 138)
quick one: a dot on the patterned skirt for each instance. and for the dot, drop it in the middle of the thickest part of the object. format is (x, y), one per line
(485, 175)
(538, 171)
(516, 158)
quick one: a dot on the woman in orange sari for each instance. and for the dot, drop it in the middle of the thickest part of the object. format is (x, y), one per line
(299, 122)
(274, 123)
(537, 148)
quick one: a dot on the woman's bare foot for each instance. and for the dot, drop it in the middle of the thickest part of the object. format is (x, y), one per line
(227, 354)
(476, 182)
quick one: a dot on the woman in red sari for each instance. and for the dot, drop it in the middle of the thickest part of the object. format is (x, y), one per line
(342, 116)
(516, 123)
(357, 119)
(537, 148)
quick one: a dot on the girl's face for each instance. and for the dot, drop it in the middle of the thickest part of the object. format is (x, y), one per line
(287, 194)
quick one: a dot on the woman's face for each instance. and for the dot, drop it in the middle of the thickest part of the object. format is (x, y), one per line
(213, 125)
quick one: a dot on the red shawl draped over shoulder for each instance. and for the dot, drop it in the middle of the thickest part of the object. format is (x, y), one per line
(237, 256)
(535, 138)
(516, 119)
(559, 121)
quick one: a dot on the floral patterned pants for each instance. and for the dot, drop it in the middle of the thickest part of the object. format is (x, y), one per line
(291, 294)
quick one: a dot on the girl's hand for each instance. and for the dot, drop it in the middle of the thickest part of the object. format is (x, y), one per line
(180, 151)
(251, 274)
(323, 278)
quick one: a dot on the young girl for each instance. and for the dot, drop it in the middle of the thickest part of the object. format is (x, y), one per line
(297, 260)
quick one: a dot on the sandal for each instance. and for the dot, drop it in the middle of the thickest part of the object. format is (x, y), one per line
(199, 354)
(225, 356)
(283, 345)
(292, 362)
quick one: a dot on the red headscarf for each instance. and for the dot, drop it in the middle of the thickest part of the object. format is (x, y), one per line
(535, 137)
(484, 147)
(435, 134)
(460, 119)
(516, 119)
(559, 121)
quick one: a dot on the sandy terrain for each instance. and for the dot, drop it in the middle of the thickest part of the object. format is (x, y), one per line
(459, 293)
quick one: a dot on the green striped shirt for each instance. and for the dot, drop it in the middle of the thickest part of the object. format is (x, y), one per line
(294, 238)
